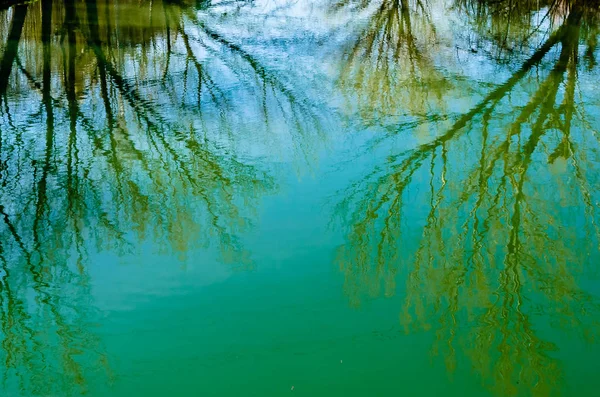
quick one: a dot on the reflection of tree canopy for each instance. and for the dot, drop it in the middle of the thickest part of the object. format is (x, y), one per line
(510, 224)
(389, 65)
(116, 127)
(512, 26)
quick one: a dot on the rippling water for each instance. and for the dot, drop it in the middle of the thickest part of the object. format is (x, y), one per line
(263, 197)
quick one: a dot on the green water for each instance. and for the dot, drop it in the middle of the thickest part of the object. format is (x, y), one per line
(307, 197)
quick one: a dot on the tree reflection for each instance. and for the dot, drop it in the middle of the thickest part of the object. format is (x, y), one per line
(509, 218)
(512, 26)
(116, 129)
(389, 65)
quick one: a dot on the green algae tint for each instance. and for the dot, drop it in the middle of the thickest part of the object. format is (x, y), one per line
(318, 198)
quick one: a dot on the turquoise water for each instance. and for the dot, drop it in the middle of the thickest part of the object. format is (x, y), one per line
(316, 198)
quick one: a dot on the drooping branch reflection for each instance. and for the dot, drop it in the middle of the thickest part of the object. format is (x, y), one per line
(389, 66)
(508, 219)
(116, 128)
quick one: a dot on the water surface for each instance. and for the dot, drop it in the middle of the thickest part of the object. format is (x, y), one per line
(374, 197)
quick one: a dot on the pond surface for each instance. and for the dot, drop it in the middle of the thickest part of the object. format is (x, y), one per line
(307, 197)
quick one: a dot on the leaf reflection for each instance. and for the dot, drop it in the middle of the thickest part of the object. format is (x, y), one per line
(116, 130)
(389, 65)
(505, 237)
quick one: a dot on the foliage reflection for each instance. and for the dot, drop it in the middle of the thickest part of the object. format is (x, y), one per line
(115, 128)
(389, 66)
(510, 220)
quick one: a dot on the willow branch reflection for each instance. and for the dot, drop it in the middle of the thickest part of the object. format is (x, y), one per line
(508, 221)
(116, 129)
(389, 66)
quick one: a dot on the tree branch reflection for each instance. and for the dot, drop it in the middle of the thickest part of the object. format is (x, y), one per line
(116, 129)
(508, 221)
(389, 66)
